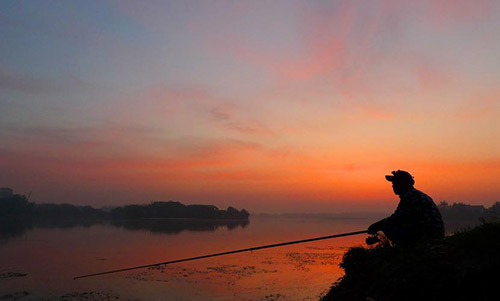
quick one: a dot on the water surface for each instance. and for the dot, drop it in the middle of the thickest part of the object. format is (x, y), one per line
(40, 261)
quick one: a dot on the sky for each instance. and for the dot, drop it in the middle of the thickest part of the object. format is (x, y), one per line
(271, 106)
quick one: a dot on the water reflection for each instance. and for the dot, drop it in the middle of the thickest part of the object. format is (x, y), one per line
(17, 228)
(13, 228)
(51, 254)
(174, 226)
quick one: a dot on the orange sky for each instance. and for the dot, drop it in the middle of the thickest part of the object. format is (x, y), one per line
(276, 107)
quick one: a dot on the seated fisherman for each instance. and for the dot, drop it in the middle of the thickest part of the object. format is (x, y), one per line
(416, 218)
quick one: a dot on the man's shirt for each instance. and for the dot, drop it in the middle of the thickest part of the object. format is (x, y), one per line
(416, 218)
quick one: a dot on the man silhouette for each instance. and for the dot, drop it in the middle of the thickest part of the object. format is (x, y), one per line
(416, 218)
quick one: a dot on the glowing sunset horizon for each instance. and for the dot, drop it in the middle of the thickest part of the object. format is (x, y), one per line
(279, 106)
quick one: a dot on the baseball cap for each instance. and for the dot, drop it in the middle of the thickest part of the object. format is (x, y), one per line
(400, 176)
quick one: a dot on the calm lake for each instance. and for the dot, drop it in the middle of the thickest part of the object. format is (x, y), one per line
(40, 261)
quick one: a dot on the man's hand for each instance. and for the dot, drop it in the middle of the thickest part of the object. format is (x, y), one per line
(372, 239)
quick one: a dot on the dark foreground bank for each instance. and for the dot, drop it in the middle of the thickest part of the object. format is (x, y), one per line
(466, 266)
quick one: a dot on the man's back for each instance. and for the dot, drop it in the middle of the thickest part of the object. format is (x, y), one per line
(419, 215)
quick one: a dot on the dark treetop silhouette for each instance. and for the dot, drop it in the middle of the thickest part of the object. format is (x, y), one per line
(416, 218)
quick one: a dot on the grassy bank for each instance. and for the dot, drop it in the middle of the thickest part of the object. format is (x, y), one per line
(466, 266)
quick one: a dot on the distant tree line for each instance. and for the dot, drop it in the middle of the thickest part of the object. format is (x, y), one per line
(18, 205)
(172, 209)
(461, 211)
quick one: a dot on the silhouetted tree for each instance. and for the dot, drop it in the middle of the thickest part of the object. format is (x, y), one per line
(15, 205)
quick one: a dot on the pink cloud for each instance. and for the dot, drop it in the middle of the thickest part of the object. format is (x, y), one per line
(323, 41)
(336, 46)
(447, 12)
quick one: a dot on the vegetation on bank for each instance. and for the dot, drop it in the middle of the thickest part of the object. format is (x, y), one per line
(465, 266)
(461, 211)
(19, 206)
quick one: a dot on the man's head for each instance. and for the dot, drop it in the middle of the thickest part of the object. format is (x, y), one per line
(401, 180)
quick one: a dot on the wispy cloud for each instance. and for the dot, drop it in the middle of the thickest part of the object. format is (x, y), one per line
(189, 109)
(448, 12)
(232, 117)
(34, 85)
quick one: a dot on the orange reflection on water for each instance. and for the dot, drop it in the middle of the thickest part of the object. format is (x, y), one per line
(53, 256)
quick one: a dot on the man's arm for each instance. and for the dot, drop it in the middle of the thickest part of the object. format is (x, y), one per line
(380, 225)
(395, 218)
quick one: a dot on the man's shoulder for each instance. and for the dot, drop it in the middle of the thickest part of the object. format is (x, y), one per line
(422, 195)
(418, 196)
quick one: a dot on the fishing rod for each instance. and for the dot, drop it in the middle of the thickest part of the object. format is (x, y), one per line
(223, 253)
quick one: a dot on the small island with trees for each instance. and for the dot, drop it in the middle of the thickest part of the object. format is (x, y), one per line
(16, 205)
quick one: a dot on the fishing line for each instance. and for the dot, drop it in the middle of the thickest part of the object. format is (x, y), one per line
(223, 253)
